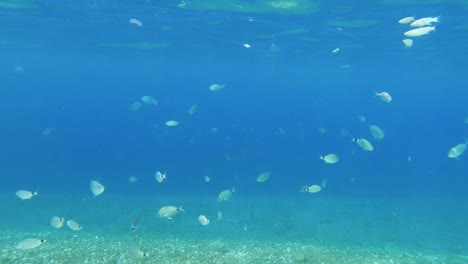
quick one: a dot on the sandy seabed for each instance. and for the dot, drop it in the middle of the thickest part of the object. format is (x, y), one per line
(255, 230)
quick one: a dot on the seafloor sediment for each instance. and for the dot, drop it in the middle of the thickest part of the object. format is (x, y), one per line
(255, 230)
(109, 249)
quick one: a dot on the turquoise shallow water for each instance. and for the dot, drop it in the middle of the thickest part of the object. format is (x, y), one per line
(301, 229)
(299, 81)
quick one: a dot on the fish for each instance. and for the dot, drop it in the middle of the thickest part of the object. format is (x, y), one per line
(216, 87)
(207, 179)
(330, 158)
(48, 131)
(26, 195)
(361, 118)
(193, 109)
(203, 220)
(172, 123)
(376, 132)
(263, 177)
(96, 188)
(408, 43)
(132, 179)
(225, 195)
(324, 182)
(135, 106)
(364, 144)
(149, 100)
(219, 216)
(135, 21)
(136, 223)
(384, 96)
(419, 31)
(406, 20)
(138, 252)
(57, 222)
(73, 225)
(456, 151)
(311, 189)
(160, 177)
(29, 243)
(425, 21)
(169, 211)
(251, 210)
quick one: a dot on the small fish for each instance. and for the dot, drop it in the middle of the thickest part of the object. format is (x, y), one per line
(26, 195)
(132, 179)
(364, 144)
(96, 188)
(425, 21)
(149, 100)
(135, 21)
(376, 132)
(311, 189)
(172, 123)
(57, 222)
(419, 31)
(136, 223)
(216, 87)
(406, 20)
(456, 151)
(182, 4)
(322, 130)
(330, 158)
(135, 106)
(263, 177)
(29, 243)
(138, 252)
(48, 131)
(73, 225)
(203, 220)
(408, 43)
(336, 50)
(384, 96)
(169, 211)
(225, 195)
(251, 210)
(220, 216)
(361, 118)
(193, 109)
(207, 179)
(324, 182)
(160, 177)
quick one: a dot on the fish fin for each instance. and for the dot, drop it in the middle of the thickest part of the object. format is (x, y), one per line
(181, 208)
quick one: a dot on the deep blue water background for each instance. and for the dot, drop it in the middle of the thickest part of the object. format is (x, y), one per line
(84, 90)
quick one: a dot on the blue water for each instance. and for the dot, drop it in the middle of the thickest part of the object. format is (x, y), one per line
(77, 67)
